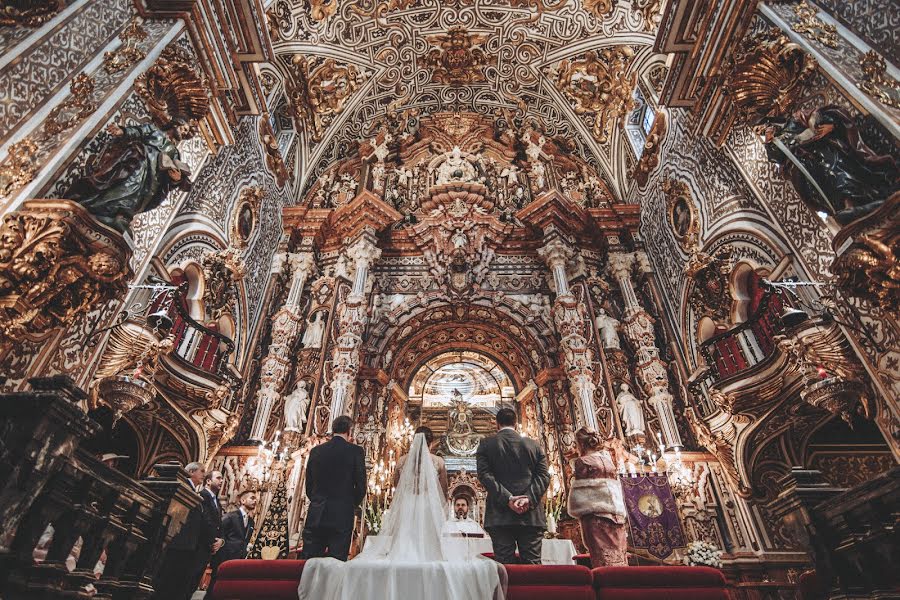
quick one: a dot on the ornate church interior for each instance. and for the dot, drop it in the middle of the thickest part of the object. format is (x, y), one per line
(227, 223)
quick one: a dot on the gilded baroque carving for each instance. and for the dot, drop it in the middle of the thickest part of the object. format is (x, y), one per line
(174, 89)
(56, 262)
(600, 8)
(649, 10)
(222, 270)
(19, 168)
(767, 76)
(682, 212)
(71, 111)
(877, 82)
(809, 24)
(456, 57)
(128, 53)
(599, 85)
(245, 216)
(32, 13)
(650, 156)
(319, 89)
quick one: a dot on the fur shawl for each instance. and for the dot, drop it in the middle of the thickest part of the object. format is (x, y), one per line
(596, 497)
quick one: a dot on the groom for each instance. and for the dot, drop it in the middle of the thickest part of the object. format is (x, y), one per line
(335, 485)
(513, 470)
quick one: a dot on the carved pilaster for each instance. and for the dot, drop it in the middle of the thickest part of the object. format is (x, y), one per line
(351, 324)
(286, 326)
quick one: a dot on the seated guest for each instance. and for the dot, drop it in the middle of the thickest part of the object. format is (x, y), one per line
(439, 465)
(596, 498)
(461, 522)
(237, 529)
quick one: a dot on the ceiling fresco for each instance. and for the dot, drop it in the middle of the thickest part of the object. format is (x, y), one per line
(567, 67)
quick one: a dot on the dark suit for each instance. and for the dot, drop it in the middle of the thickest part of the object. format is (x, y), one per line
(335, 485)
(236, 538)
(512, 465)
(182, 570)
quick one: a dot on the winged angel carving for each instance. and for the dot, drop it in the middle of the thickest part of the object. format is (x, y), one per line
(457, 58)
(134, 350)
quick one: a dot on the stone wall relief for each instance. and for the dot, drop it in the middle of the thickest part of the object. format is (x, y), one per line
(319, 88)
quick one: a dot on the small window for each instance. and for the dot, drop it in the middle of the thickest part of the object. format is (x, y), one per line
(647, 121)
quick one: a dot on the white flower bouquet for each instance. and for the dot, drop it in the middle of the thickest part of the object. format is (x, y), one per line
(703, 554)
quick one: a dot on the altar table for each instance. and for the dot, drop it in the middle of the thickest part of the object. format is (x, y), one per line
(553, 551)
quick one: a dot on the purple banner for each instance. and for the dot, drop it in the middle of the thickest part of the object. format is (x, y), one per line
(652, 514)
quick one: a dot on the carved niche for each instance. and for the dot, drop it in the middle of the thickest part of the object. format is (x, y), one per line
(245, 216)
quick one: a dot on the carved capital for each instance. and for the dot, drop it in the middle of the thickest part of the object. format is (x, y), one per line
(620, 266)
(556, 252)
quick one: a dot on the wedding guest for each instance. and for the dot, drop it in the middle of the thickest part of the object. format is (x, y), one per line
(596, 498)
(438, 462)
(237, 529)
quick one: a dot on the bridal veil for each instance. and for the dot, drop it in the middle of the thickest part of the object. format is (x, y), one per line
(409, 558)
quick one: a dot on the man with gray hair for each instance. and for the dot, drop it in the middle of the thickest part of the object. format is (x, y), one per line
(176, 579)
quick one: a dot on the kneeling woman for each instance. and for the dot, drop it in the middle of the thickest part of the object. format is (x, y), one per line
(596, 498)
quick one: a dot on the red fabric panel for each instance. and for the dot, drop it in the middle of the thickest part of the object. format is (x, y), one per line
(663, 577)
(261, 569)
(638, 593)
(245, 589)
(550, 592)
(548, 575)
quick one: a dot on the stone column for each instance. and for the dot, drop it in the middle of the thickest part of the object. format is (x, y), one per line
(650, 370)
(569, 317)
(351, 325)
(286, 326)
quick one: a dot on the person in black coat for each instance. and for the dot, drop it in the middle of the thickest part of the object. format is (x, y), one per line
(335, 486)
(513, 470)
(210, 535)
(177, 578)
(237, 529)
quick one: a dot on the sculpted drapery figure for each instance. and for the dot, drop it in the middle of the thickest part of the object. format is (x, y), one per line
(136, 170)
(632, 414)
(315, 329)
(608, 326)
(831, 167)
(295, 407)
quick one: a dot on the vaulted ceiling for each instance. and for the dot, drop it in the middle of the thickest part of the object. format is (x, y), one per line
(568, 66)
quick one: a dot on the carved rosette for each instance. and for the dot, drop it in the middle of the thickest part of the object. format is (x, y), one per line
(56, 263)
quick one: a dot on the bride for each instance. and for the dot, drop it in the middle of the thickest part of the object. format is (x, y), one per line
(410, 558)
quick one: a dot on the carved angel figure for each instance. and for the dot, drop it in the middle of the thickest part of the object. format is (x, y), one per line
(608, 327)
(315, 330)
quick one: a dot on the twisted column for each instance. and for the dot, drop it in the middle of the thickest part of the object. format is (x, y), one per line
(649, 368)
(286, 326)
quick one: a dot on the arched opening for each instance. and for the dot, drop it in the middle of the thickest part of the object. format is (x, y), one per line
(747, 291)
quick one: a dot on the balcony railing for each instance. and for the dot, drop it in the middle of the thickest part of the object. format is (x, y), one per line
(197, 345)
(748, 344)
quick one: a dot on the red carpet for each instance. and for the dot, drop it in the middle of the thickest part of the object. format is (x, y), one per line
(278, 580)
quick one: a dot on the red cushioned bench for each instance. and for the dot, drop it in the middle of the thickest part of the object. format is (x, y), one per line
(662, 582)
(278, 580)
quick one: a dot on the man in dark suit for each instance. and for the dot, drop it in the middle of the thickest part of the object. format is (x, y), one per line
(210, 536)
(335, 485)
(513, 470)
(237, 528)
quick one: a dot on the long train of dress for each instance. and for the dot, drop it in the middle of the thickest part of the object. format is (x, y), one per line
(412, 560)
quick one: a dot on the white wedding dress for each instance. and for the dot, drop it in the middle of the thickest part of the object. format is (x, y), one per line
(411, 560)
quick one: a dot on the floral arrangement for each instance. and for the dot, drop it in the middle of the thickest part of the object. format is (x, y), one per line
(703, 553)
(555, 504)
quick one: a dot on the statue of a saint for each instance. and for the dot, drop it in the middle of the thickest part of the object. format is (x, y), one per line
(608, 327)
(461, 437)
(133, 174)
(831, 167)
(315, 330)
(632, 413)
(455, 168)
(296, 405)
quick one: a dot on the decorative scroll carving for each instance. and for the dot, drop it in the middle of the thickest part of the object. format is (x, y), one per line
(128, 53)
(456, 57)
(599, 84)
(73, 109)
(319, 90)
(174, 89)
(768, 76)
(869, 267)
(56, 262)
(29, 13)
(649, 11)
(876, 81)
(809, 24)
(221, 271)
(600, 8)
(19, 168)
